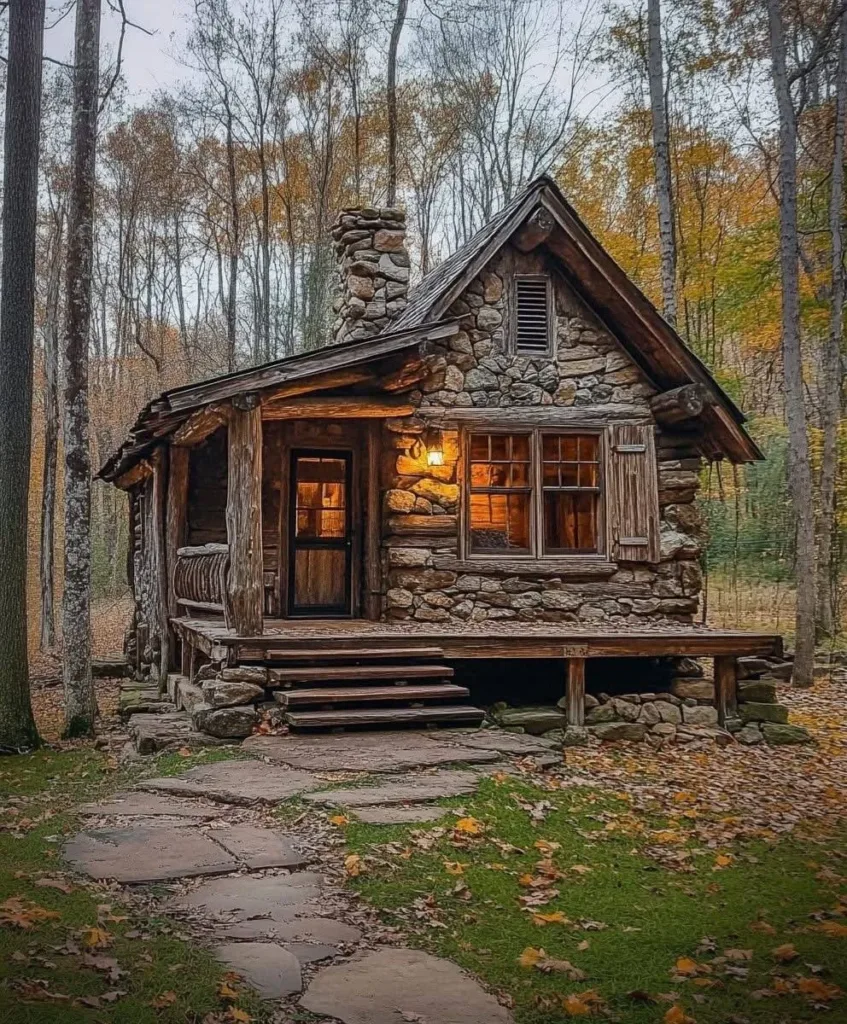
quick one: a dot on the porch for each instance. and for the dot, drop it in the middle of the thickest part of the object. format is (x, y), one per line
(324, 650)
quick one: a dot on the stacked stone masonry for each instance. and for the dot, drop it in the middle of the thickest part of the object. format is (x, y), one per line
(475, 368)
(373, 270)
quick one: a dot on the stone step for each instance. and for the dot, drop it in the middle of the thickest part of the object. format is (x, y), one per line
(340, 673)
(341, 718)
(355, 654)
(370, 694)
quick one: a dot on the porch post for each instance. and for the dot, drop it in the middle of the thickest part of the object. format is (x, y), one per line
(373, 524)
(576, 691)
(726, 687)
(244, 515)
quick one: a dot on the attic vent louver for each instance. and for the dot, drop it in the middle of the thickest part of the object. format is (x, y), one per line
(533, 314)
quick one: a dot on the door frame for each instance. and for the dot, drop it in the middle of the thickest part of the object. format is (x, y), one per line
(288, 512)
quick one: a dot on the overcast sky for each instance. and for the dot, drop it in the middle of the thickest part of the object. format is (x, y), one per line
(149, 62)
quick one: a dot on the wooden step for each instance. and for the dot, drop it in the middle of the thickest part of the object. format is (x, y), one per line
(342, 717)
(318, 673)
(384, 694)
(355, 654)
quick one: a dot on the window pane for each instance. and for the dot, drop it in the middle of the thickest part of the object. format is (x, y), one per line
(588, 474)
(479, 447)
(520, 447)
(321, 498)
(499, 522)
(520, 474)
(499, 446)
(570, 522)
(551, 474)
(550, 447)
(587, 448)
(570, 447)
(570, 474)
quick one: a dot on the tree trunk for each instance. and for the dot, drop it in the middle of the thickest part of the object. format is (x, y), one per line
(17, 320)
(234, 241)
(51, 434)
(831, 374)
(391, 99)
(244, 515)
(80, 706)
(799, 469)
(661, 158)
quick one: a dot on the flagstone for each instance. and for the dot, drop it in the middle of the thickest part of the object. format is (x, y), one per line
(390, 985)
(147, 854)
(236, 782)
(365, 752)
(409, 789)
(272, 970)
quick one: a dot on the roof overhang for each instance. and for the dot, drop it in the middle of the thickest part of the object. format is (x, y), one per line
(161, 417)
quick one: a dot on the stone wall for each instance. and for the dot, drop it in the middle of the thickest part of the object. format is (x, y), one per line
(589, 371)
(373, 270)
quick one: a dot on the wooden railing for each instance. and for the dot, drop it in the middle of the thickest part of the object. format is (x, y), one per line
(200, 579)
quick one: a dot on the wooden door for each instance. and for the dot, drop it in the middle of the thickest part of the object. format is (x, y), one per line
(320, 533)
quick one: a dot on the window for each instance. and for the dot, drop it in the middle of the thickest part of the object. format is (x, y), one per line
(500, 492)
(532, 315)
(534, 493)
(570, 482)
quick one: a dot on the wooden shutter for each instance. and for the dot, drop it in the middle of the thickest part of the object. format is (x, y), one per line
(633, 493)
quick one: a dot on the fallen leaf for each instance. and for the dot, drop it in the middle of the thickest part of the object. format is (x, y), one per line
(686, 967)
(785, 953)
(353, 865)
(531, 956)
(165, 999)
(96, 938)
(470, 826)
(227, 992)
(676, 1015)
(238, 1016)
(555, 917)
(54, 883)
(723, 860)
(454, 867)
(580, 869)
(339, 819)
(832, 928)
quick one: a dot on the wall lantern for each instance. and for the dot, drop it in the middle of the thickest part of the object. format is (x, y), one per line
(434, 448)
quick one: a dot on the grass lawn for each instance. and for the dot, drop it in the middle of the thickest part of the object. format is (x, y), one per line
(549, 893)
(71, 952)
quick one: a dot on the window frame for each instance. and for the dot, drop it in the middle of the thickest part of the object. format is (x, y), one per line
(536, 552)
(551, 317)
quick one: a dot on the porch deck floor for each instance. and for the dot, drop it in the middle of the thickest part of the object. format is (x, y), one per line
(457, 640)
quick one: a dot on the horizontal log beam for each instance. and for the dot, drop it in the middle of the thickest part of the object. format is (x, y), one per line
(437, 526)
(346, 407)
(681, 405)
(140, 471)
(200, 425)
(535, 231)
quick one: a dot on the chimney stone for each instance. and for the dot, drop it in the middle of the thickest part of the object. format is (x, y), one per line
(373, 270)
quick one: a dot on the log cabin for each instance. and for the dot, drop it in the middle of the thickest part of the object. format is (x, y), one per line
(501, 463)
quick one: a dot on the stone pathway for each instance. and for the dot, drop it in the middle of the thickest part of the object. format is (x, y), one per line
(248, 888)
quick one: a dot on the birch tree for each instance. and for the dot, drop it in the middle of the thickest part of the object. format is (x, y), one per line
(17, 321)
(80, 705)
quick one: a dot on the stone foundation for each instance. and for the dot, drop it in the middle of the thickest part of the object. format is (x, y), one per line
(683, 715)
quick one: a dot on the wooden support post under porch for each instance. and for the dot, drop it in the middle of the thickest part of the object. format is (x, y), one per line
(244, 516)
(726, 687)
(575, 691)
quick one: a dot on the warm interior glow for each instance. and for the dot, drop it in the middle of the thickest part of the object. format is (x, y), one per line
(435, 457)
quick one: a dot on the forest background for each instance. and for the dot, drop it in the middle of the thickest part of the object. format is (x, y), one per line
(215, 195)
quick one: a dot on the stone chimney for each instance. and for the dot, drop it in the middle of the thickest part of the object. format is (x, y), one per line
(373, 270)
